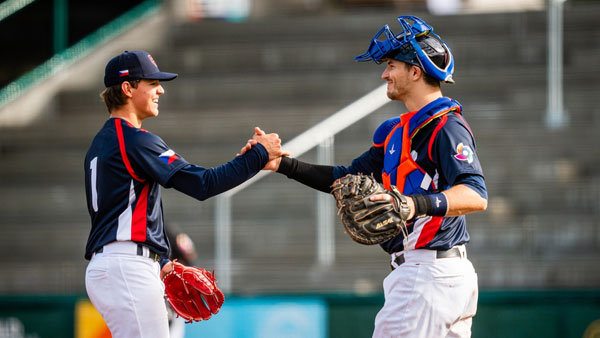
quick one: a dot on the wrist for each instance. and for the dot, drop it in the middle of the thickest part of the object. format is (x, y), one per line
(403, 205)
(430, 205)
(285, 165)
(166, 268)
(163, 262)
(277, 164)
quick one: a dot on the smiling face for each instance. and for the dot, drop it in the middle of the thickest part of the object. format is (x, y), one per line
(145, 98)
(398, 77)
(401, 78)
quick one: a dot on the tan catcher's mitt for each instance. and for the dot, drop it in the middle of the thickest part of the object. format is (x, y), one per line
(192, 292)
(369, 222)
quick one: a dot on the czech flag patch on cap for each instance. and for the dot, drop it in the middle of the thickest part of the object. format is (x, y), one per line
(124, 72)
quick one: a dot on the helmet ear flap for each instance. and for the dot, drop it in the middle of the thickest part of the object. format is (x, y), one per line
(435, 50)
(435, 57)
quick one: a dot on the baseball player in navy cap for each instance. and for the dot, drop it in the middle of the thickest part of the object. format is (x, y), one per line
(124, 169)
(429, 155)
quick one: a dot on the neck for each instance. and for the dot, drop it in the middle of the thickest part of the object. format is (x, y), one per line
(127, 115)
(421, 98)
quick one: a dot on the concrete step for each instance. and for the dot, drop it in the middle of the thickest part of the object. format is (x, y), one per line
(514, 271)
(251, 89)
(290, 43)
(544, 168)
(361, 276)
(538, 230)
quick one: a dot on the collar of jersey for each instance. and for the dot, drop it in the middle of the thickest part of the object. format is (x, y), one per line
(442, 104)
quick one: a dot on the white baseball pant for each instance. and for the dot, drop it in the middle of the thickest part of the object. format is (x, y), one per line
(428, 297)
(127, 291)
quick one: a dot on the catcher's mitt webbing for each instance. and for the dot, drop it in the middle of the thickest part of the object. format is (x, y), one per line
(369, 222)
(192, 292)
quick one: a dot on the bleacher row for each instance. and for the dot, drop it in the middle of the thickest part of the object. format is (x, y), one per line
(287, 74)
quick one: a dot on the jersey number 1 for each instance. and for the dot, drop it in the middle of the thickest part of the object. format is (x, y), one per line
(94, 171)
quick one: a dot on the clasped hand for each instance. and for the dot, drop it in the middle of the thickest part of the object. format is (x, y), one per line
(272, 144)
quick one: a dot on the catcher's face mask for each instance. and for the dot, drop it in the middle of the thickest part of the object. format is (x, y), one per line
(407, 49)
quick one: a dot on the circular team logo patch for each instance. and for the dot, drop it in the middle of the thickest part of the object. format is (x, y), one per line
(464, 153)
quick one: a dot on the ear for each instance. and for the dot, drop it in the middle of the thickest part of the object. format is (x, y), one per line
(126, 88)
(415, 72)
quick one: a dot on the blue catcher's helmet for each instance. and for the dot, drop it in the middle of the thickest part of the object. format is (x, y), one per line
(417, 45)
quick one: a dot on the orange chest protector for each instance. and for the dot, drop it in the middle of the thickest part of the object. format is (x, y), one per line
(400, 167)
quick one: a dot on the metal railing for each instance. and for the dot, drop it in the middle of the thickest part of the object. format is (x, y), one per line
(556, 115)
(10, 7)
(68, 56)
(321, 135)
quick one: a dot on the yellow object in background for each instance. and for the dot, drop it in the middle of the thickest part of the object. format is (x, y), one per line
(88, 322)
(593, 330)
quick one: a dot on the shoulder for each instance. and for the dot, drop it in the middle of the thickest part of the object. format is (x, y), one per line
(382, 132)
(454, 136)
(456, 124)
(140, 142)
(143, 138)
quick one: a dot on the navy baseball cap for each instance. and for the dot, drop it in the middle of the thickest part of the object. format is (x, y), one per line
(133, 65)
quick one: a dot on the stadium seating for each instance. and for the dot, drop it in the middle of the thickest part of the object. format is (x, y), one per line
(287, 74)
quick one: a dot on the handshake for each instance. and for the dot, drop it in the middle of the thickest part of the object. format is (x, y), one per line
(271, 142)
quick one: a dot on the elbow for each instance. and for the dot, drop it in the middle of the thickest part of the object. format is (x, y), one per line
(483, 203)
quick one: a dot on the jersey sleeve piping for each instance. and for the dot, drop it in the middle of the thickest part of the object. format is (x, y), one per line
(434, 134)
(123, 151)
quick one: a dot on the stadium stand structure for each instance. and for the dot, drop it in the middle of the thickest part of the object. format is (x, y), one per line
(541, 229)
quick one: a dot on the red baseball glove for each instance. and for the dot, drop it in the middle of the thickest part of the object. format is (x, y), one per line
(192, 292)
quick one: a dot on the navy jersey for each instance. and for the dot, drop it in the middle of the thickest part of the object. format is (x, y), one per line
(124, 169)
(445, 151)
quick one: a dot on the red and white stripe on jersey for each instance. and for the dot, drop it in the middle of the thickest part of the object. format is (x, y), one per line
(424, 230)
(132, 222)
(124, 152)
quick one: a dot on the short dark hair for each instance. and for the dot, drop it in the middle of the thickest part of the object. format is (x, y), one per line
(113, 96)
(430, 80)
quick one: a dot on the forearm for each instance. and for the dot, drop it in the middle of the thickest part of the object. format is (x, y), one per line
(463, 200)
(318, 177)
(468, 195)
(321, 177)
(201, 183)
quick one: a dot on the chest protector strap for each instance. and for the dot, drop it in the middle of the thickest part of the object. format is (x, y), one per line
(408, 170)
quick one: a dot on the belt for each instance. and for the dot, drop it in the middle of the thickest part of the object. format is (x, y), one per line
(450, 253)
(140, 252)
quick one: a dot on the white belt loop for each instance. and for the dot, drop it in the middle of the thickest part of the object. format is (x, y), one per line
(395, 255)
(145, 251)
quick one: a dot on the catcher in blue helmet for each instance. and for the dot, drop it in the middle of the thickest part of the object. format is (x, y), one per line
(425, 161)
